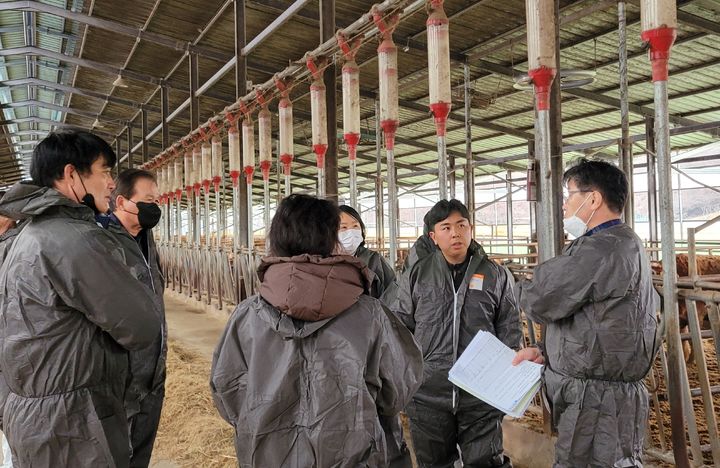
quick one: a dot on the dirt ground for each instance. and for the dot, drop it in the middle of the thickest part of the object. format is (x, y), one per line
(533, 419)
(191, 432)
(661, 390)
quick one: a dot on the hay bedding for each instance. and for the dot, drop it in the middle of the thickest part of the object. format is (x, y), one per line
(192, 433)
(714, 377)
(533, 419)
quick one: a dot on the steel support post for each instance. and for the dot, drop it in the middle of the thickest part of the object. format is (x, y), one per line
(194, 100)
(237, 235)
(652, 185)
(207, 249)
(266, 203)
(241, 208)
(509, 212)
(469, 167)
(451, 175)
(379, 196)
(164, 113)
(353, 184)
(144, 130)
(197, 257)
(327, 31)
(626, 162)
(392, 207)
(546, 230)
(118, 149)
(555, 176)
(442, 167)
(250, 231)
(670, 307)
(219, 228)
(129, 133)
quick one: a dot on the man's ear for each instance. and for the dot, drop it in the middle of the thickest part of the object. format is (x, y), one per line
(597, 200)
(119, 203)
(432, 236)
(68, 171)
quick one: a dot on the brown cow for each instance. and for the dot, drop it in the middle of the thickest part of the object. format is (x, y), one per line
(706, 265)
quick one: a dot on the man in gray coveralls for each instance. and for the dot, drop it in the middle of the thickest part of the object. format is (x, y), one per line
(598, 303)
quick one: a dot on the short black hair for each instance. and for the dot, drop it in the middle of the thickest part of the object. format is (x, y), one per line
(55, 151)
(304, 225)
(125, 181)
(353, 212)
(442, 210)
(606, 178)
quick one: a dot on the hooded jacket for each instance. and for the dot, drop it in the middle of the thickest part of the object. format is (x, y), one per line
(146, 388)
(17, 192)
(444, 321)
(7, 239)
(384, 274)
(304, 369)
(422, 247)
(70, 309)
(599, 305)
(147, 366)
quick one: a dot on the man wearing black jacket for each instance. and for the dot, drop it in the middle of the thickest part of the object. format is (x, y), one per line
(445, 298)
(135, 214)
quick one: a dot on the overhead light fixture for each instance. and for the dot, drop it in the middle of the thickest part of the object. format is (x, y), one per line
(120, 82)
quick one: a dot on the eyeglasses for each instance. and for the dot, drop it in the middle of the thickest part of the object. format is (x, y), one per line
(567, 193)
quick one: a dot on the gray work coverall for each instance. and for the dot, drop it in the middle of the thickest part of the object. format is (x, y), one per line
(70, 309)
(444, 321)
(599, 305)
(146, 389)
(305, 369)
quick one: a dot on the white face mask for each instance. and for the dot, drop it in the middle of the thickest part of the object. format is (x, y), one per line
(350, 239)
(575, 226)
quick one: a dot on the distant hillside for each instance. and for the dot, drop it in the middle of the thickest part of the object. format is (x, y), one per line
(697, 203)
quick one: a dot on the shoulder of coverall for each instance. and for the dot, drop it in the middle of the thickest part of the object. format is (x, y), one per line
(363, 252)
(611, 241)
(13, 231)
(45, 202)
(15, 200)
(71, 229)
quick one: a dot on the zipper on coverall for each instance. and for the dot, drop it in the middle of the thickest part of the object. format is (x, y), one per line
(456, 317)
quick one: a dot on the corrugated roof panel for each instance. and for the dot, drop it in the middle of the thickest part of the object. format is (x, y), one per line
(47, 42)
(12, 40)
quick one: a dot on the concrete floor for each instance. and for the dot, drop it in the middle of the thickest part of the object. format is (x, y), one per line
(192, 325)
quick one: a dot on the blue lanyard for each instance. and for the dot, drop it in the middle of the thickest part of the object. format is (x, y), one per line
(605, 225)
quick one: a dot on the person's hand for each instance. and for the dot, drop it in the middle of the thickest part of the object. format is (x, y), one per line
(528, 354)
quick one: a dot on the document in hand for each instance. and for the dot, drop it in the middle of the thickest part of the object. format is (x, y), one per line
(485, 370)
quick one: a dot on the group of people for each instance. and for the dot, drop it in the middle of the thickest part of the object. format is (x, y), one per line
(315, 368)
(82, 327)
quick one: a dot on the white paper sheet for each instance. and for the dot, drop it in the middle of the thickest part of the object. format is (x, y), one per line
(485, 370)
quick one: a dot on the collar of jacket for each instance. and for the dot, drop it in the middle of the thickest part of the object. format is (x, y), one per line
(13, 231)
(360, 249)
(313, 288)
(107, 220)
(476, 255)
(602, 227)
(43, 201)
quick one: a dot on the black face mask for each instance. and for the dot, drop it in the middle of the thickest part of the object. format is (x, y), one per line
(148, 214)
(88, 199)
